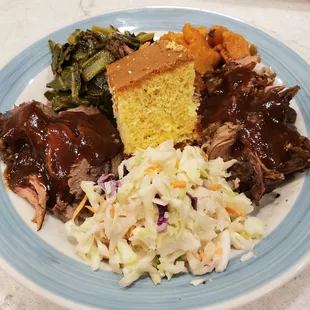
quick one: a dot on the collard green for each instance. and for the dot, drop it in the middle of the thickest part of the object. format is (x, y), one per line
(79, 67)
(96, 64)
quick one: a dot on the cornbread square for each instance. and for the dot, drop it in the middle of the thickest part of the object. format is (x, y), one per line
(153, 96)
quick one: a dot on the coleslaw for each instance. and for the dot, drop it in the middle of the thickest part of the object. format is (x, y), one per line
(171, 211)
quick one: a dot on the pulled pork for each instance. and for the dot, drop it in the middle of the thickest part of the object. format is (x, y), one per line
(245, 120)
(48, 155)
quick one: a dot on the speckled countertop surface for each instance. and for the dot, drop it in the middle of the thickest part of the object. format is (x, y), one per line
(22, 22)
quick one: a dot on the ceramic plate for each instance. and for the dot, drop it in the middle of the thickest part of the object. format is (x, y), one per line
(45, 261)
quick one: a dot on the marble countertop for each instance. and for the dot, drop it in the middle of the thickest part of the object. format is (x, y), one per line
(23, 22)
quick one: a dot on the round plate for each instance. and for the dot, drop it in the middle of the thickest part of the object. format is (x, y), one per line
(33, 259)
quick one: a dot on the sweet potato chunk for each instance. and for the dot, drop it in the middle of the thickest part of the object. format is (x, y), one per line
(225, 55)
(218, 48)
(215, 35)
(210, 48)
(167, 36)
(191, 34)
(202, 30)
(176, 37)
(234, 46)
(200, 52)
(205, 57)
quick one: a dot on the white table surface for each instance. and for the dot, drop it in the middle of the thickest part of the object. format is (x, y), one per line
(23, 22)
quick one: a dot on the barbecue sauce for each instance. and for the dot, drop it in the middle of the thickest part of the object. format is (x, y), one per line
(47, 145)
(263, 117)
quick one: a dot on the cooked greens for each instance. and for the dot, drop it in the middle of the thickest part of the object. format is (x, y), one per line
(96, 64)
(79, 66)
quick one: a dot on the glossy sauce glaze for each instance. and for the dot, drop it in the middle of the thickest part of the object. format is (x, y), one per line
(47, 145)
(265, 127)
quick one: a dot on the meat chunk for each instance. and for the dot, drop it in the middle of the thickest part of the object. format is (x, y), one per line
(118, 49)
(83, 171)
(222, 141)
(63, 210)
(35, 193)
(48, 155)
(87, 110)
(245, 62)
(263, 138)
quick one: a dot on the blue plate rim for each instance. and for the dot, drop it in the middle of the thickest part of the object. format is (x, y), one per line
(284, 276)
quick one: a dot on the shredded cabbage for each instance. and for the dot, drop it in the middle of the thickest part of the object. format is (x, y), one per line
(174, 212)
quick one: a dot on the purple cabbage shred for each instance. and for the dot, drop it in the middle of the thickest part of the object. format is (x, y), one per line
(162, 222)
(194, 200)
(108, 183)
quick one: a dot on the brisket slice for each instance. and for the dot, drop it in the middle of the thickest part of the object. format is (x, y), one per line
(243, 119)
(48, 155)
(64, 211)
(83, 171)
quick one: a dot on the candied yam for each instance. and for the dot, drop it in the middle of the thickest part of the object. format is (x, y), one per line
(216, 58)
(176, 37)
(235, 46)
(197, 45)
(197, 49)
(179, 39)
(194, 47)
(203, 64)
(191, 34)
(225, 55)
(202, 30)
(218, 48)
(205, 57)
(195, 40)
(170, 36)
(215, 35)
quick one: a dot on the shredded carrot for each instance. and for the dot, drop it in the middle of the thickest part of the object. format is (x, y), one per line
(152, 168)
(79, 208)
(234, 212)
(215, 187)
(112, 211)
(155, 166)
(105, 241)
(178, 184)
(90, 208)
(219, 251)
(101, 202)
(202, 256)
(129, 232)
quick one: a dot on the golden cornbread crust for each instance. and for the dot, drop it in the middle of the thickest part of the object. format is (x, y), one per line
(154, 96)
(131, 70)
